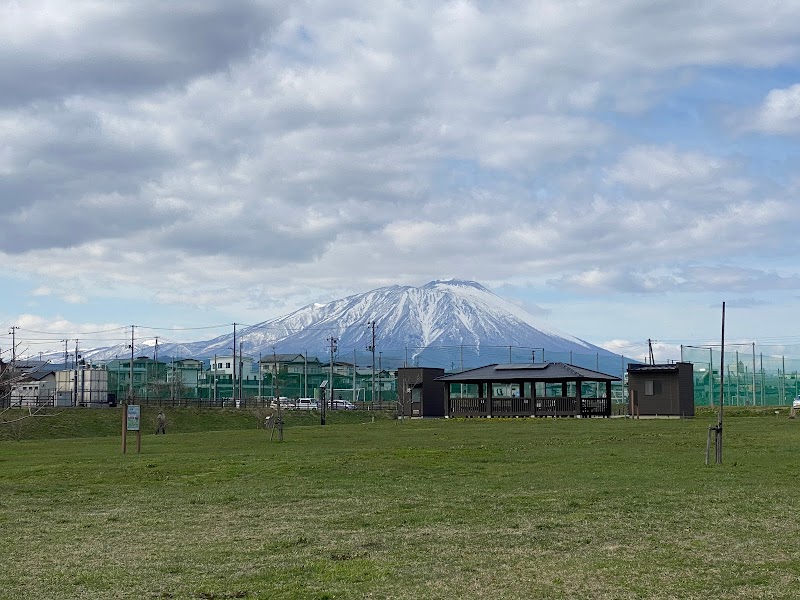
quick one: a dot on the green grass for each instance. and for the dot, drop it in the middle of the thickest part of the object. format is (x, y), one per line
(528, 508)
(85, 422)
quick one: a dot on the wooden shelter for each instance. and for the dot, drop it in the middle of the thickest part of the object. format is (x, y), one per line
(528, 390)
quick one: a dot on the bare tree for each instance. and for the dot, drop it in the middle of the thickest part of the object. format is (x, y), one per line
(8, 379)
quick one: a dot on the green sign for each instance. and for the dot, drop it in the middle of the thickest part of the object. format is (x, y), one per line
(133, 417)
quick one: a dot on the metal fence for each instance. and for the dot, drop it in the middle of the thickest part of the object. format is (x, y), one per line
(752, 375)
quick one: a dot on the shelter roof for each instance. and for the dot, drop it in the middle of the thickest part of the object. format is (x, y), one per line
(549, 371)
(659, 368)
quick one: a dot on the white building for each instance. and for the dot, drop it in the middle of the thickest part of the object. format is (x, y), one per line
(223, 365)
(34, 389)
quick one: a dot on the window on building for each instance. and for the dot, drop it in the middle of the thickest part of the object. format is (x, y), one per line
(227, 365)
(652, 387)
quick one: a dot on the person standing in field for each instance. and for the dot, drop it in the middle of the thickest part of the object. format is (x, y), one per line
(161, 422)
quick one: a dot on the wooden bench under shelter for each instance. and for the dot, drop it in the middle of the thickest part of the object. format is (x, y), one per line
(550, 389)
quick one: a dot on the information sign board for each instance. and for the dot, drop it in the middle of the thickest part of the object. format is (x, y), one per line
(133, 418)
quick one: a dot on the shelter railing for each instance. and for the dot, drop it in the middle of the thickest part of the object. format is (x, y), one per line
(548, 406)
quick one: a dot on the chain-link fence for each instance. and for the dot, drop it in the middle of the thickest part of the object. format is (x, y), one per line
(751, 376)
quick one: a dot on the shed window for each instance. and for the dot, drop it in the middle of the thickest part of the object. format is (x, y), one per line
(652, 387)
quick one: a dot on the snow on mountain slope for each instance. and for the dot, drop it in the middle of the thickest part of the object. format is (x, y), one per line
(427, 324)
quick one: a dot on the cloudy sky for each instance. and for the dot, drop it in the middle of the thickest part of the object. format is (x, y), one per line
(617, 168)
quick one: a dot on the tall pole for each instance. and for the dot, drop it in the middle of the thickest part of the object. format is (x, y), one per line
(354, 375)
(754, 373)
(155, 360)
(721, 397)
(215, 378)
(380, 377)
(130, 382)
(241, 370)
(333, 341)
(371, 348)
(233, 374)
(305, 374)
(75, 379)
(66, 354)
(13, 346)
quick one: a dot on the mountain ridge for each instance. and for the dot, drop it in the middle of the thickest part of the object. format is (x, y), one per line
(418, 325)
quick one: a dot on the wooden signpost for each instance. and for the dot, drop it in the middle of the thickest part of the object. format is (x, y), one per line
(131, 421)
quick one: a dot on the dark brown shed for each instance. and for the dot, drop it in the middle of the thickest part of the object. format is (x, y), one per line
(661, 390)
(419, 394)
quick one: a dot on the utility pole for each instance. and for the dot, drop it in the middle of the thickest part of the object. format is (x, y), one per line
(276, 388)
(380, 378)
(130, 382)
(260, 376)
(66, 354)
(333, 349)
(172, 381)
(75, 379)
(241, 370)
(650, 351)
(214, 375)
(354, 375)
(155, 364)
(233, 374)
(371, 348)
(13, 333)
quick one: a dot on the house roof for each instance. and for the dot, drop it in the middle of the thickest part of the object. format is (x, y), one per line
(283, 358)
(555, 371)
(36, 375)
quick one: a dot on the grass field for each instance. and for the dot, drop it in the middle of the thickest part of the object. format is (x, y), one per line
(528, 508)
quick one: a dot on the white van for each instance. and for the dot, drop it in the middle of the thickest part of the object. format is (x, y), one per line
(306, 404)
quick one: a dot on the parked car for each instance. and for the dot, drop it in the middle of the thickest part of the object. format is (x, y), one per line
(285, 402)
(339, 404)
(306, 404)
(796, 402)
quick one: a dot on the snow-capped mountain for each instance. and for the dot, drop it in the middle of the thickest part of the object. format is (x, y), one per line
(448, 324)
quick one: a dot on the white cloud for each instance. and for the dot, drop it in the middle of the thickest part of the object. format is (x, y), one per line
(780, 112)
(653, 167)
(279, 154)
